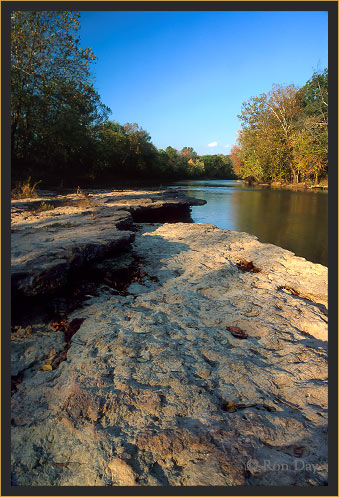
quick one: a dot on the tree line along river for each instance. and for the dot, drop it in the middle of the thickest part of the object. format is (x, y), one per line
(294, 220)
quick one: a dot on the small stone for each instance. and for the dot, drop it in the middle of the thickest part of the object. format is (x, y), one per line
(122, 473)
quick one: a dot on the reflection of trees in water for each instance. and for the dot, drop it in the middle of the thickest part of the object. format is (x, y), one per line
(296, 221)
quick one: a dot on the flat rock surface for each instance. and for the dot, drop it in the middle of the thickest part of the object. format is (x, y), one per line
(158, 388)
(55, 235)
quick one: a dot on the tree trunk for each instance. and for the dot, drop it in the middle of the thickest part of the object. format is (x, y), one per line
(295, 176)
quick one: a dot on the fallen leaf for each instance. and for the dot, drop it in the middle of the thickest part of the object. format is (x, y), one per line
(59, 326)
(247, 266)
(229, 406)
(236, 332)
(46, 367)
(298, 451)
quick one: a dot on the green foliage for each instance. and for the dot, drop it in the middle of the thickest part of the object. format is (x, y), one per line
(123, 151)
(218, 166)
(315, 96)
(53, 103)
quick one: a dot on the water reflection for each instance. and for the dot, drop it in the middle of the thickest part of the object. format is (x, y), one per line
(295, 220)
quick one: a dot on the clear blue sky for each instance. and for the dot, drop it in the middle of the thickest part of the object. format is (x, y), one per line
(183, 76)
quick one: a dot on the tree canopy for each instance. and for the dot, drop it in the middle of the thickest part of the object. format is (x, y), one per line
(53, 101)
(284, 135)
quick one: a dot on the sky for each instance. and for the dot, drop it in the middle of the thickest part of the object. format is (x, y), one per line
(183, 76)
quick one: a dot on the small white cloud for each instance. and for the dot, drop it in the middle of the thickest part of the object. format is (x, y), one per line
(227, 146)
(213, 144)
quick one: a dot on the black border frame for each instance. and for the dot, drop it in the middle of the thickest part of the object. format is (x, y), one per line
(332, 8)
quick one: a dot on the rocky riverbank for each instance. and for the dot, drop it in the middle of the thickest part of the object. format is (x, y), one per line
(185, 355)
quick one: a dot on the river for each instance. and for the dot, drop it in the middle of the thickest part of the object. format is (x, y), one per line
(294, 220)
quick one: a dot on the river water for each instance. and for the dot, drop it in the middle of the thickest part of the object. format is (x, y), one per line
(294, 220)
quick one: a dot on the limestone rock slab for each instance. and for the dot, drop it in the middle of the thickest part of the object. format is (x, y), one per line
(51, 238)
(156, 391)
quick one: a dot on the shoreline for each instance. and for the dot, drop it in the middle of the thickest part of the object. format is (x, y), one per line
(150, 382)
(290, 186)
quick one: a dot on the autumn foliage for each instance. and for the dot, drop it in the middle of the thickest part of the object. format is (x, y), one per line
(284, 135)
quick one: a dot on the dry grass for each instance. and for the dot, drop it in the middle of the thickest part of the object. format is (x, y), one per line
(24, 189)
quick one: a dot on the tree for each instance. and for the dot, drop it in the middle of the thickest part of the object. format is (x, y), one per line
(315, 98)
(52, 99)
(188, 152)
(237, 161)
(195, 167)
(124, 151)
(141, 153)
(284, 133)
(310, 153)
(268, 123)
(310, 140)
